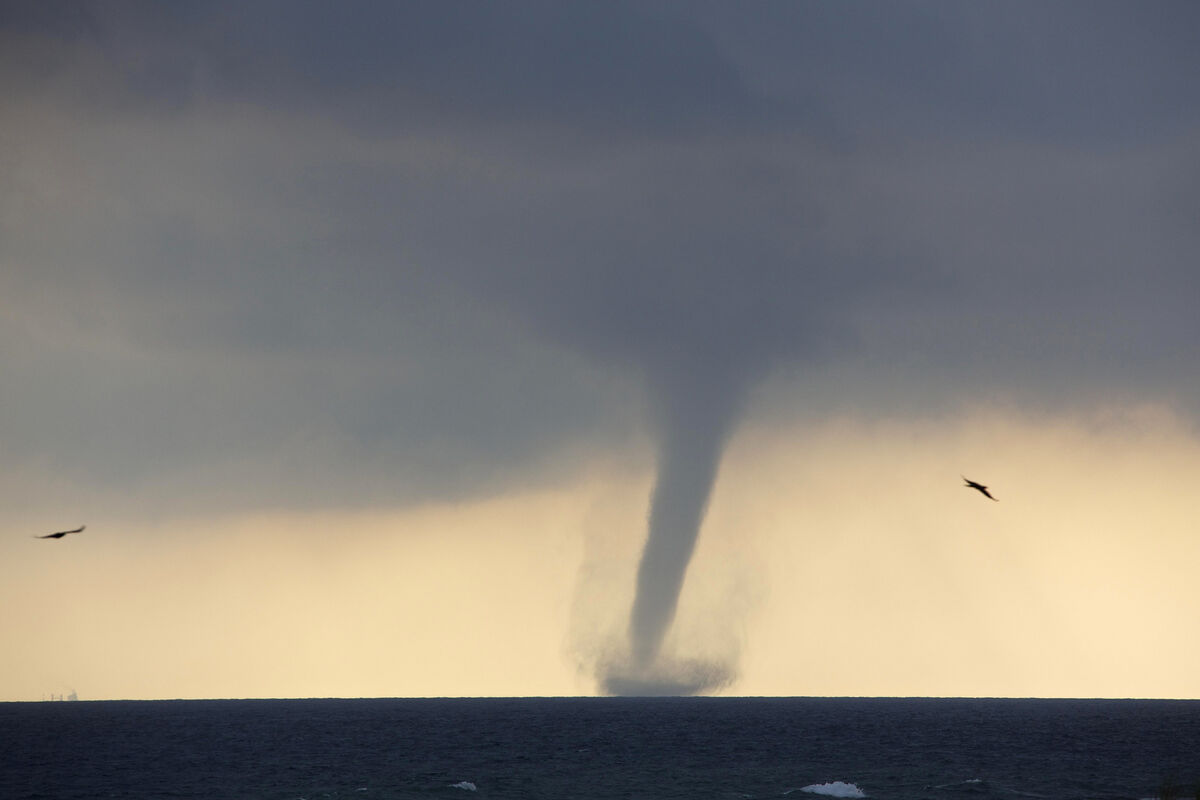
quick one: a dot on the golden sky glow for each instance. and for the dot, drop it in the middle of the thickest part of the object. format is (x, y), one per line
(837, 559)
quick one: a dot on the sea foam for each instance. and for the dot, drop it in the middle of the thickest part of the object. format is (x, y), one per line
(834, 789)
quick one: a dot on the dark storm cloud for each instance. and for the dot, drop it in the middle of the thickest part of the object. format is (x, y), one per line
(1074, 72)
(394, 67)
(438, 239)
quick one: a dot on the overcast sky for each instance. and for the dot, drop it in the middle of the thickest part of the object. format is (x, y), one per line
(280, 280)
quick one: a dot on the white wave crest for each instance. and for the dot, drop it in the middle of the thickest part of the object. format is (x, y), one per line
(467, 785)
(970, 782)
(834, 789)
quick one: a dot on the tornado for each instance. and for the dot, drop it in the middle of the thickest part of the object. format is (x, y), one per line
(693, 422)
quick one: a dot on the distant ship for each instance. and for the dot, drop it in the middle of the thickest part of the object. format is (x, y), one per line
(64, 698)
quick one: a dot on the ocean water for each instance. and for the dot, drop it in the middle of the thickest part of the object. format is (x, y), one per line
(732, 748)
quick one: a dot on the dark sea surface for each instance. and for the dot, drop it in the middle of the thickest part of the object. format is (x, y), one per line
(470, 749)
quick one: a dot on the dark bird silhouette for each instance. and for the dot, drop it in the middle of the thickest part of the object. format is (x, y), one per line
(970, 484)
(61, 534)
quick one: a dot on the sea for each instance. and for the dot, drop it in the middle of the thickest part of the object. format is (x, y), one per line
(559, 748)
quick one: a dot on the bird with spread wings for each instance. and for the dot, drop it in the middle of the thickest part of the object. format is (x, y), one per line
(60, 534)
(970, 484)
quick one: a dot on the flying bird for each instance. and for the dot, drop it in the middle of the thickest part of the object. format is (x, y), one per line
(970, 484)
(61, 534)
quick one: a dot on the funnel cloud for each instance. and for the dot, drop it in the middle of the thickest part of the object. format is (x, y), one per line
(694, 418)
